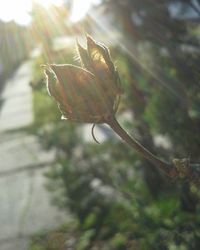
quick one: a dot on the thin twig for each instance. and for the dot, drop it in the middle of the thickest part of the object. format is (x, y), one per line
(178, 168)
(167, 168)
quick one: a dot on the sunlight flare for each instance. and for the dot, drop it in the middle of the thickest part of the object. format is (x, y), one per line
(80, 9)
(18, 10)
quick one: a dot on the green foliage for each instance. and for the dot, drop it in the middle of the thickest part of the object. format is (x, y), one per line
(15, 47)
(43, 105)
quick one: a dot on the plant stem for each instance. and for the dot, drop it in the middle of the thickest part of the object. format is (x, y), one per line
(166, 167)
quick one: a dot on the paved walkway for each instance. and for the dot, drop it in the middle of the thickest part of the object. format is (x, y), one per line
(24, 202)
(16, 100)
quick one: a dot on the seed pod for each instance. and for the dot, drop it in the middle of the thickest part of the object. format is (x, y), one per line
(88, 94)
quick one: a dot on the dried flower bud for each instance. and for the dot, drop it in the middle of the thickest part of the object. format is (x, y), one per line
(91, 94)
(88, 94)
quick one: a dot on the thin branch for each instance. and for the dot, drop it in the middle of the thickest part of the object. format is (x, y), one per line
(178, 167)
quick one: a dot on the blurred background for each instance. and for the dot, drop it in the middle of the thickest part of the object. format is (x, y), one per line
(59, 190)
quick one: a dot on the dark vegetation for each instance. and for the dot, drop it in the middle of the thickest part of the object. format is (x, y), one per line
(118, 200)
(14, 48)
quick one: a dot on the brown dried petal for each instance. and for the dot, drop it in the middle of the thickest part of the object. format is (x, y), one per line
(83, 55)
(79, 96)
(103, 67)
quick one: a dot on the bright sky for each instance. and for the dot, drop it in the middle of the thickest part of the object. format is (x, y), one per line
(15, 9)
(80, 8)
(18, 10)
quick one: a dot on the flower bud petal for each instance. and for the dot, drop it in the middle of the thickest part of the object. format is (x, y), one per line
(51, 81)
(83, 55)
(103, 66)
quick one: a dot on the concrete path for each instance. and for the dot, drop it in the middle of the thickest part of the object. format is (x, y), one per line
(16, 100)
(24, 202)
